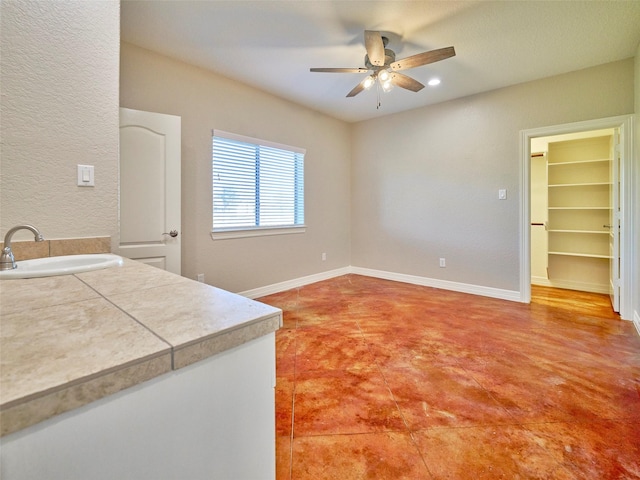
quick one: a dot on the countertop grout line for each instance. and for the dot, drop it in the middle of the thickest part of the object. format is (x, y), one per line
(159, 337)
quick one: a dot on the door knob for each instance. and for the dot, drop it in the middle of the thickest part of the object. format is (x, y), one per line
(172, 233)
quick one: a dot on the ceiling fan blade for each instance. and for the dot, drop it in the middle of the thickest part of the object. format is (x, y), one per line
(357, 89)
(339, 70)
(404, 81)
(423, 58)
(375, 47)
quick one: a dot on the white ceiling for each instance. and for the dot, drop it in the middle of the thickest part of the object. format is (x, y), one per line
(271, 45)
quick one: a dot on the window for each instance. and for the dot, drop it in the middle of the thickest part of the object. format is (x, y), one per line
(257, 185)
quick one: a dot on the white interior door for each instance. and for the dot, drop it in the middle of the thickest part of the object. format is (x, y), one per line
(539, 235)
(150, 158)
(614, 222)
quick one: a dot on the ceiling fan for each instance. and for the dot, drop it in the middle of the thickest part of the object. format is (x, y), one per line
(381, 64)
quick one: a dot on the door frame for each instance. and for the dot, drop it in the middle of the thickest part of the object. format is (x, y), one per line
(625, 123)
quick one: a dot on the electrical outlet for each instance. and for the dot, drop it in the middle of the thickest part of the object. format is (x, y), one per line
(442, 263)
(200, 277)
(324, 256)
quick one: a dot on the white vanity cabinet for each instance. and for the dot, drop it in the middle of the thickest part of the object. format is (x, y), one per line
(210, 420)
(132, 372)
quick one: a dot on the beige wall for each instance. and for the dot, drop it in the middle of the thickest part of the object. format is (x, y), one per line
(59, 108)
(425, 182)
(206, 101)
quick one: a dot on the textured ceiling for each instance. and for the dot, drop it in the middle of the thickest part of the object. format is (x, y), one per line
(271, 45)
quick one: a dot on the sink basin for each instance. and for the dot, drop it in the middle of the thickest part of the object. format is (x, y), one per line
(63, 265)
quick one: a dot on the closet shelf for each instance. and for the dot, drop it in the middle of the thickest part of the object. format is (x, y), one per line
(584, 255)
(579, 184)
(579, 208)
(603, 232)
(575, 162)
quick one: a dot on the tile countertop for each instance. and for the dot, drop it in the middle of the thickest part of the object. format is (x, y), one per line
(69, 340)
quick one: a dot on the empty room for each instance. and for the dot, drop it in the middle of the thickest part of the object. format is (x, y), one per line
(320, 239)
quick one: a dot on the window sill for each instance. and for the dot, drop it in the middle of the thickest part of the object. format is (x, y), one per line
(257, 232)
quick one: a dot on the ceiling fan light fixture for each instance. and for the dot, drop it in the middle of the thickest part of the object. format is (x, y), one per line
(384, 76)
(433, 82)
(383, 69)
(368, 82)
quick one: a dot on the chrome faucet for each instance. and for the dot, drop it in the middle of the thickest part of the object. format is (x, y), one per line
(7, 261)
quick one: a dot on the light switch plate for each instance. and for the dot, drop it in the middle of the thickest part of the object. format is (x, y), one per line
(502, 194)
(86, 176)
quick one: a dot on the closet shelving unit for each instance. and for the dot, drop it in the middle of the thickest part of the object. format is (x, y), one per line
(579, 210)
(579, 186)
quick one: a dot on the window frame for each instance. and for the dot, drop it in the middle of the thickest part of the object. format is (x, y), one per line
(256, 230)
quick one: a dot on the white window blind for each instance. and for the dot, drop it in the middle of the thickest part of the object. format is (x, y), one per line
(256, 184)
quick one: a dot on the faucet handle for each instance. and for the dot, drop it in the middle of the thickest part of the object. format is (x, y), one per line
(7, 260)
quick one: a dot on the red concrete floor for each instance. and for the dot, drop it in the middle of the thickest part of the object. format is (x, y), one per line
(386, 380)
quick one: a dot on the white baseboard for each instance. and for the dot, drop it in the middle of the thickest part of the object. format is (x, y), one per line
(581, 286)
(511, 295)
(542, 281)
(636, 320)
(295, 283)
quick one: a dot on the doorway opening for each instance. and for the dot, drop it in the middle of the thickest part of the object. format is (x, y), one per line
(574, 185)
(575, 220)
